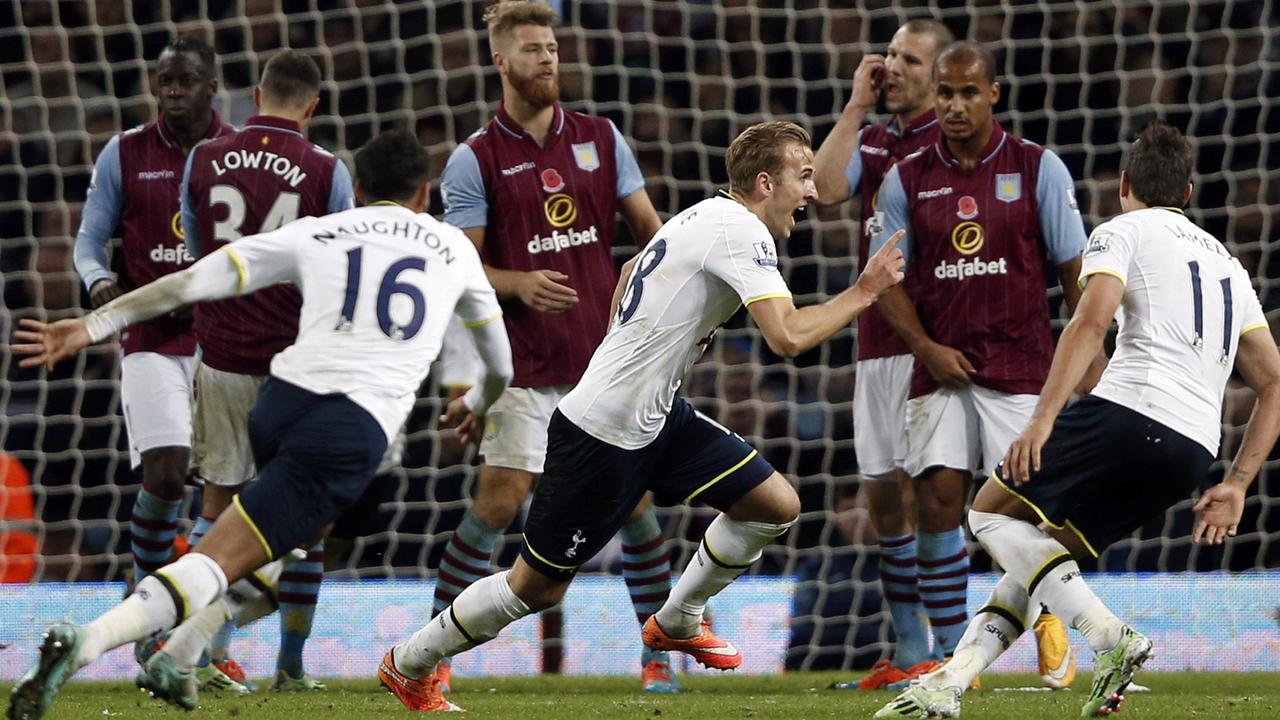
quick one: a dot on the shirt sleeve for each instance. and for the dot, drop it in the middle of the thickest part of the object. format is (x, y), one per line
(101, 214)
(459, 365)
(853, 171)
(745, 257)
(892, 215)
(268, 258)
(190, 221)
(342, 195)
(629, 178)
(1252, 316)
(462, 188)
(1060, 222)
(1110, 251)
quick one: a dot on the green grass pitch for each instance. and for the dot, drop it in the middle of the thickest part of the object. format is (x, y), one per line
(795, 696)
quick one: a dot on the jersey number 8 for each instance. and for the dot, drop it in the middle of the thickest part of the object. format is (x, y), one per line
(635, 287)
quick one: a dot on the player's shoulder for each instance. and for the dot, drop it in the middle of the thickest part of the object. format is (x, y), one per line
(726, 213)
(918, 160)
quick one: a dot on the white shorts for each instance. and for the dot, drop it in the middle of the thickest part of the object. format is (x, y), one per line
(965, 429)
(515, 432)
(880, 415)
(224, 400)
(155, 392)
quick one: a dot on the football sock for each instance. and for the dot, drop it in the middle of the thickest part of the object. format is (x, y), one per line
(898, 578)
(477, 616)
(220, 644)
(645, 564)
(245, 601)
(199, 529)
(1005, 616)
(944, 585)
(1045, 568)
(160, 601)
(465, 560)
(152, 528)
(299, 592)
(727, 550)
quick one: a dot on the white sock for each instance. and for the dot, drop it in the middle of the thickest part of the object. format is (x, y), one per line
(159, 602)
(728, 549)
(248, 602)
(189, 639)
(1006, 615)
(476, 616)
(1022, 549)
(1099, 626)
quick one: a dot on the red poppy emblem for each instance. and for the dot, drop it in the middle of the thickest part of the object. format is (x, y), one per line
(968, 209)
(551, 180)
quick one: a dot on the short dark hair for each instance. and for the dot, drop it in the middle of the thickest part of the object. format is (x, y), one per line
(1159, 165)
(392, 166)
(291, 78)
(941, 34)
(197, 47)
(761, 148)
(964, 52)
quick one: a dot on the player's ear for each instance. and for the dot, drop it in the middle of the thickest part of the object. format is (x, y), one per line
(311, 108)
(257, 97)
(1124, 184)
(1186, 194)
(421, 198)
(995, 92)
(361, 198)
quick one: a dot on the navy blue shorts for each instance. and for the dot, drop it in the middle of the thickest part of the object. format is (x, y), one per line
(589, 487)
(1106, 470)
(316, 455)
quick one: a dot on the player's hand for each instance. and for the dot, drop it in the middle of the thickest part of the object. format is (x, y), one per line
(947, 365)
(1023, 457)
(103, 292)
(884, 269)
(1220, 509)
(49, 344)
(542, 290)
(468, 426)
(867, 81)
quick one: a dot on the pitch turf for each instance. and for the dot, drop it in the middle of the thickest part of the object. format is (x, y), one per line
(794, 696)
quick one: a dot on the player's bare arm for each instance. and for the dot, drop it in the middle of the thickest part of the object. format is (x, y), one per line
(1079, 346)
(641, 216)
(831, 159)
(946, 364)
(1221, 506)
(1069, 278)
(791, 331)
(540, 289)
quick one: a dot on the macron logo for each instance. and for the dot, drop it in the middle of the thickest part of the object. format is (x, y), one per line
(157, 175)
(873, 150)
(517, 168)
(940, 192)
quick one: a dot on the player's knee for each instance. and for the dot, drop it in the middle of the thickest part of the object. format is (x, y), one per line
(164, 471)
(784, 508)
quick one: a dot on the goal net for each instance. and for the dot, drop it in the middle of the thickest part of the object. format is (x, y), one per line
(680, 79)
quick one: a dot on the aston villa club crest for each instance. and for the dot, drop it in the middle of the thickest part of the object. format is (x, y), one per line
(1008, 187)
(586, 156)
(967, 208)
(552, 181)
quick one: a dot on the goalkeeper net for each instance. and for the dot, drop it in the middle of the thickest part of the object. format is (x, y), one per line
(680, 79)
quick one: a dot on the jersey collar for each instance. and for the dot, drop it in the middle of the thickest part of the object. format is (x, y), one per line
(998, 138)
(927, 120)
(215, 129)
(272, 122)
(514, 129)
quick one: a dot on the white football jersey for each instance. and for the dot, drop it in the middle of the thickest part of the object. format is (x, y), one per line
(1186, 303)
(379, 286)
(700, 267)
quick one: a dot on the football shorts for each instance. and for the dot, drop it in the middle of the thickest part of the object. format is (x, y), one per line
(515, 430)
(880, 415)
(964, 429)
(155, 394)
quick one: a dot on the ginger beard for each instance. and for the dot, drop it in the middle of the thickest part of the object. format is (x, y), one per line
(539, 89)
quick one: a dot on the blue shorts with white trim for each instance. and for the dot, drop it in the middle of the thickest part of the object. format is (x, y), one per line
(589, 487)
(316, 454)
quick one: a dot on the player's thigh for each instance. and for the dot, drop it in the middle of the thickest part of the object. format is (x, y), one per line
(327, 449)
(515, 433)
(702, 461)
(224, 401)
(587, 490)
(1001, 418)
(880, 414)
(942, 432)
(155, 395)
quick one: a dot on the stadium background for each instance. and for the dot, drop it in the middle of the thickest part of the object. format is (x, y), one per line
(680, 79)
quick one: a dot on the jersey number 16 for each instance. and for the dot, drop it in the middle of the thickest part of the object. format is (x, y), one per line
(387, 289)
